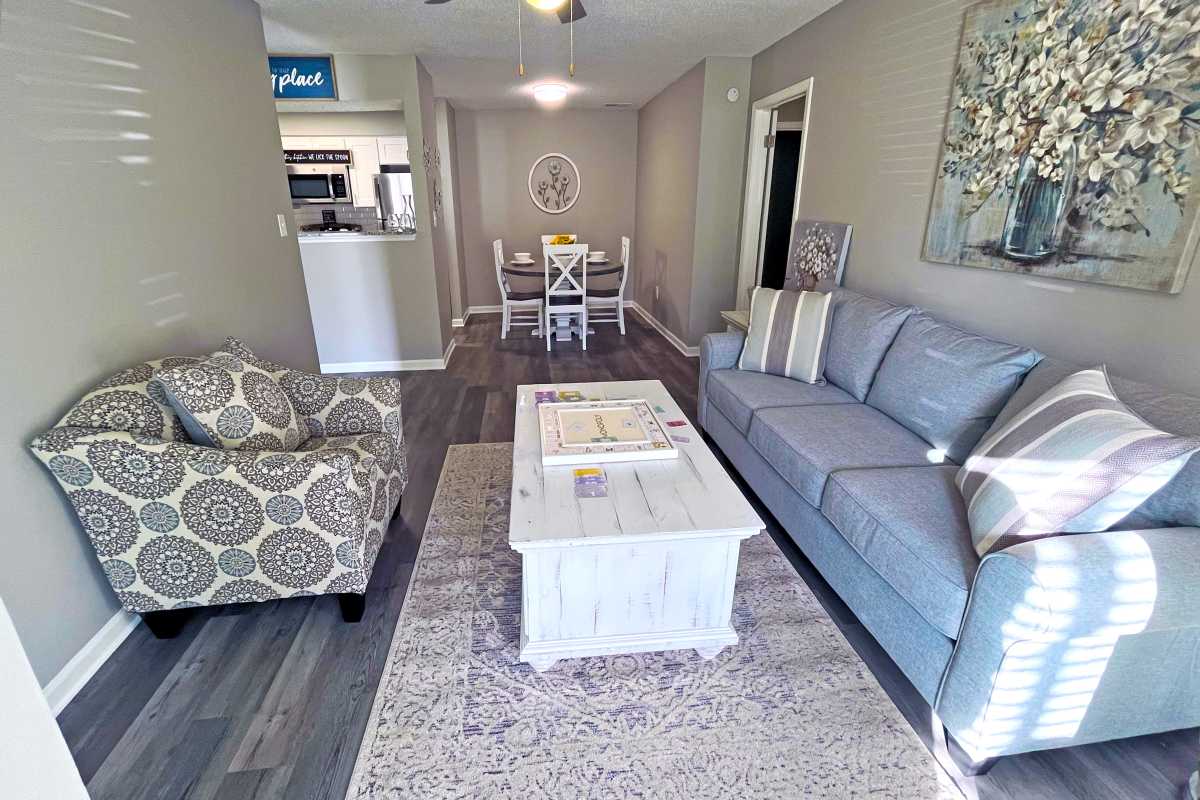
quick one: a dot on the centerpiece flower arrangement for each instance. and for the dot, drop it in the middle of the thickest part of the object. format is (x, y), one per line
(1075, 110)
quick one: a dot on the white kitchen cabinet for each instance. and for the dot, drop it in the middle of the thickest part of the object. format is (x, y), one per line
(393, 149)
(313, 142)
(365, 153)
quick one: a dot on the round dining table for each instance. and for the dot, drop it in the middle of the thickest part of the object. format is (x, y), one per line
(531, 269)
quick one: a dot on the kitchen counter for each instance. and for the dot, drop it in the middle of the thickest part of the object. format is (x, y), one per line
(347, 236)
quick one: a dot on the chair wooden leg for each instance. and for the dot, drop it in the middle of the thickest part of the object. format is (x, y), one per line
(583, 327)
(353, 606)
(549, 328)
(504, 316)
(166, 624)
(621, 315)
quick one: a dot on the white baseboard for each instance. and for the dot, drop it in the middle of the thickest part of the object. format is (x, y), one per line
(449, 352)
(407, 365)
(63, 687)
(483, 310)
(458, 322)
(690, 352)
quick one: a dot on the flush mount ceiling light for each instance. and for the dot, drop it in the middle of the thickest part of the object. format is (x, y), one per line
(550, 93)
(546, 5)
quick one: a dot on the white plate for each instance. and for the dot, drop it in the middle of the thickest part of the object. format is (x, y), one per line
(596, 260)
(517, 263)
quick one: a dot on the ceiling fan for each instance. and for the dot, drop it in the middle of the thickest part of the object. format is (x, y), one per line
(565, 12)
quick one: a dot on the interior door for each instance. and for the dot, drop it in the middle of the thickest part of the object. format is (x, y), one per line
(766, 206)
(777, 236)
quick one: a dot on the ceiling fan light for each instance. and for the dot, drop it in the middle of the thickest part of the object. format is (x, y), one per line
(550, 93)
(546, 5)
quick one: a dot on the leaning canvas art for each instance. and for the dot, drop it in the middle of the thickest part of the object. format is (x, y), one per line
(1071, 142)
(818, 258)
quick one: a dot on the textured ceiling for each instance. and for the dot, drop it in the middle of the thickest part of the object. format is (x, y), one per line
(625, 50)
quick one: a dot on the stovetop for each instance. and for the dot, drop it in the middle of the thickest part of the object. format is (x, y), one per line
(332, 227)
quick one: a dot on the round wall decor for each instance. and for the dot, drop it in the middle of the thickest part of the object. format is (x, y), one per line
(554, 183)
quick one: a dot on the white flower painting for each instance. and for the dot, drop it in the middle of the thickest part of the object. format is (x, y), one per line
(1071, 142)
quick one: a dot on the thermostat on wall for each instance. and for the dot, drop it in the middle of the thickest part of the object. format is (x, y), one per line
(733, 94)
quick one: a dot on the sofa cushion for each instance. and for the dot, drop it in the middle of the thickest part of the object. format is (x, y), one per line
(1177, 503)
(1076, 460)
(863, 329)
(738, 394)
(788, 334)
(230, 403)
(910, 525)
(947, 385)
(807, 443)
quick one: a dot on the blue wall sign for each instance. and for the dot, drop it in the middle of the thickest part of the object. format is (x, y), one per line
(303, 77)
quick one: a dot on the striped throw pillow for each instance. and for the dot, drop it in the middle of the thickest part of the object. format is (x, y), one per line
(1076, 460)
(788, 335)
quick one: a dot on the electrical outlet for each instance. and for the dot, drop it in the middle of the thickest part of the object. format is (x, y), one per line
(282, 220)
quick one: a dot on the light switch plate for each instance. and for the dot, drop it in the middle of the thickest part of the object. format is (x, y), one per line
(282, 220)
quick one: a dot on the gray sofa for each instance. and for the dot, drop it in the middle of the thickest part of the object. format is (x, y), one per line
(1055, 642)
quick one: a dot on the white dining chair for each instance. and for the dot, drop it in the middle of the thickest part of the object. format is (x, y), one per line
(608, 305)
(566, 285)
(515, 305)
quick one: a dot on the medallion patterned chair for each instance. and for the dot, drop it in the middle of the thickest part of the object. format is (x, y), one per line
(177, 525)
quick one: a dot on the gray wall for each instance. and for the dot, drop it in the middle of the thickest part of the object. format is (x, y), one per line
(668, 157)
(882, 75)
(441, 233)
(145, 232)
(496, 150)
(719, 194)
(691, 162)
(447, 137)
(342, 123)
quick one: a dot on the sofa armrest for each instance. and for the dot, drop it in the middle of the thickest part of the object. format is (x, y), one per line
(1076, 639)
(143, 501)
(717, 351)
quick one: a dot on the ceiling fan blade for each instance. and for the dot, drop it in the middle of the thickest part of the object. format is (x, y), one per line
(435, 2)
(564, 13)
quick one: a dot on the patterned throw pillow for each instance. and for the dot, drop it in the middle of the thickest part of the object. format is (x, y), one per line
(1076, 460)
(230, 403)
(789, 334)
(131, 401)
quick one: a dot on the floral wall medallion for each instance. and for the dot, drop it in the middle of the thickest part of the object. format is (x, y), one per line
(554, 183)
(1071, 142)
(818, 257)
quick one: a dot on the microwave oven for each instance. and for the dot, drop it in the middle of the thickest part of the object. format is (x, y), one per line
(319, 183)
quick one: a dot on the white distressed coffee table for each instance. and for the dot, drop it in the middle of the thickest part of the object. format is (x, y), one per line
(649, 567)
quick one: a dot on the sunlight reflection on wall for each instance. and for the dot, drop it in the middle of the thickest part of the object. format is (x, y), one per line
(85, 106)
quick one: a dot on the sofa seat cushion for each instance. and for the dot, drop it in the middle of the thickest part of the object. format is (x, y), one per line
(738, 394)
(805, 444)
(364, 451)
(910, 525)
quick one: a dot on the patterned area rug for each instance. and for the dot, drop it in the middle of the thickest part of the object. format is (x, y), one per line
(790, 711)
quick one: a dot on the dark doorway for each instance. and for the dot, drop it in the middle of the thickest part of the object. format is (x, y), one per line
(785, 166)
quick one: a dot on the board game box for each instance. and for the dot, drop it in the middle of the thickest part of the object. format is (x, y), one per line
(600, 431)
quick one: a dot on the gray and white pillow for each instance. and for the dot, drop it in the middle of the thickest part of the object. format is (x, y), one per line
(788, 335)
(1076, 460)
(230, 403)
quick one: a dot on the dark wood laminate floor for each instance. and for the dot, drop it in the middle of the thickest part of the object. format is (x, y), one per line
(270, 700)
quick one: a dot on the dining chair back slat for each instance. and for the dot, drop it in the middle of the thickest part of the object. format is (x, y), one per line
(566, 280)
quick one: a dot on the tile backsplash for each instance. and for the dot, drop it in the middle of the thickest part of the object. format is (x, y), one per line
(311, 215)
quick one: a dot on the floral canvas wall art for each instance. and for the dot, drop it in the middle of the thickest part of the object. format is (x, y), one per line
(818, 257)
(1071, 142)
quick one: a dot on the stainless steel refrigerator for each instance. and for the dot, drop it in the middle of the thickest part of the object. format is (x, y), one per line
(394, 198)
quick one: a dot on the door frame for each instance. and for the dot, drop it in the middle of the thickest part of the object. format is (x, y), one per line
(759, 156)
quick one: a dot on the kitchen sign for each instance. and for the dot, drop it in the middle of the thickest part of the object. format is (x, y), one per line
(302, 77)
(317, 157)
